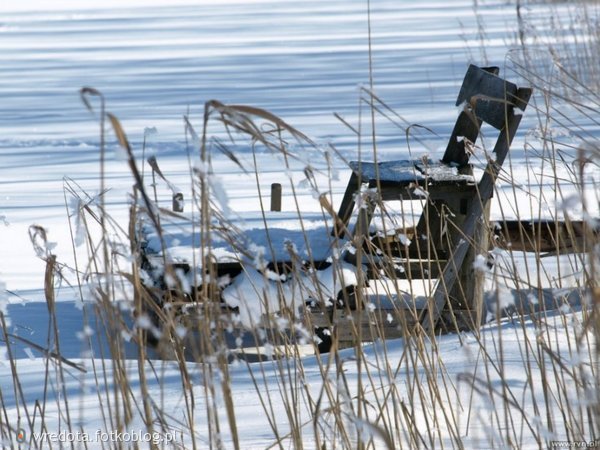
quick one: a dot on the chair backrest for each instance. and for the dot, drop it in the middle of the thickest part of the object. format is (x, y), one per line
(486, 98)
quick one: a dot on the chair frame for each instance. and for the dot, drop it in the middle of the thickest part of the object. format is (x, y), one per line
(448, 183)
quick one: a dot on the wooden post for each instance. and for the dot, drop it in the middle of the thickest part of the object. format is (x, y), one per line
(178, 202)
(466, 296)
(276, 197)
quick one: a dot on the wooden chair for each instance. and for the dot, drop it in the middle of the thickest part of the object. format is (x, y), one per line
(448, 233)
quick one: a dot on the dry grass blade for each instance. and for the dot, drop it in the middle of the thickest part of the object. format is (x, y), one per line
(85, 92)
(49, 284)
(240, 118)
(233, 110)
(124, 142)
(346, 123)
(39, 239)
(154, 164)
(120, 134)
(224, 150)
(47, 353)
(190, 129)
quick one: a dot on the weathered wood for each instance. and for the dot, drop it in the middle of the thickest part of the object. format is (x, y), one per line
(421, 172)
(485, 190)
(465, 309)
(543, 236)
(401, 171)
(380, 317)
(442, 216)
(489, 96)
(400, 268)
(400, 180)
(453, 216)
(465, 133)
(489, 107)
(347, 205)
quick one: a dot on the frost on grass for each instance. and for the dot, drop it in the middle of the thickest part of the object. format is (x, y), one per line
(119, 153)
(571, 205)
(144, 322)
(39, 239)
(85, 333)
(150, 134)
(420, 192)
(75, 209)
(126, 335)
(183, 281)
(404, 240)
(565, 308)
(532, 298)
(480, 263)
(259, 256)
(219, 193)
(504, 298)
(181, 331)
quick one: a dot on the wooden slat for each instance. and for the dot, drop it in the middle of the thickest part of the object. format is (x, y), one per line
(543, 235)
(467, 126)
(492, 95)
(391, 318)
(465, 130)
(347, 206)
(406, 270)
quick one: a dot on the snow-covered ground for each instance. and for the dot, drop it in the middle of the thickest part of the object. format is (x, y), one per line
(156, 61)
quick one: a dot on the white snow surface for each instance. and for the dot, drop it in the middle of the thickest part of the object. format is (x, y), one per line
(156, 60)
(256, 295)
(268, 239)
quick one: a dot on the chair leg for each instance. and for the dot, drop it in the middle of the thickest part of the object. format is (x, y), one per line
(364, 219)
(347, 205)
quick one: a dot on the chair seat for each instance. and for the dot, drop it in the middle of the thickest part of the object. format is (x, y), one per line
(404, 172)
